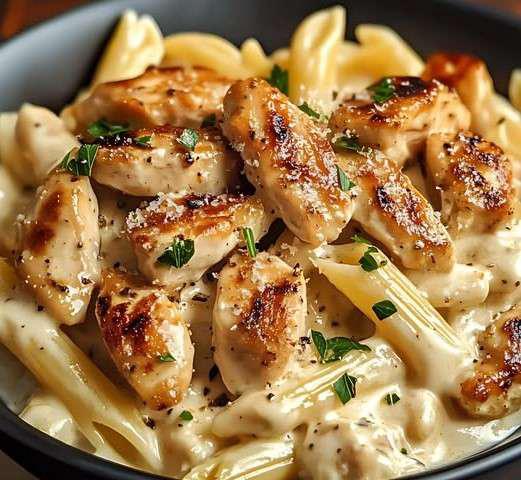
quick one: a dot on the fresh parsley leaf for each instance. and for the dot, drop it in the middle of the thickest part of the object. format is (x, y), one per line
(209, 121)
(247, 233)
(307, 109)
(143, 141)
(348, 142)
(320, 342)
(368, 262)
(382, 91)
(392, 398)
(334, 348)
(179, 253)
(279, 78)
(345, 388)
(359, 239)
(102, 128)
(82, 164)
(384, 309)
(186, 416)
(188, 139)
(166, 357)
(343, 181)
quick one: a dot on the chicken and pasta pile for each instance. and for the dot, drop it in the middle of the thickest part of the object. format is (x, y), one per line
(220, 264)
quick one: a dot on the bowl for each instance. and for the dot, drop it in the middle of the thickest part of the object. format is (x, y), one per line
(47, 64)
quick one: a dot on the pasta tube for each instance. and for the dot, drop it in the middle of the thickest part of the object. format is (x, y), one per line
(426, 342)
(268, 413)
(313, 52)
(97, 406)
(258, 459)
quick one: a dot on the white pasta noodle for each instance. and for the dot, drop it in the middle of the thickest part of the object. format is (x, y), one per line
(312, 59)
(514, 88)
(61, 367)
(137, 43)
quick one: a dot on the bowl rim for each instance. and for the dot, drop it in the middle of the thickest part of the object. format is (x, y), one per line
(30, 437)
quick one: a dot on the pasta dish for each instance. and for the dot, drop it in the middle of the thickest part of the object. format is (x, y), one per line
(222, 264)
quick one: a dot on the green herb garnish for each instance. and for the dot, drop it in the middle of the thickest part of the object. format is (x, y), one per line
(247, 233)
(166, 357)
(359, 239)
(82, 164)
(345, 388)
(384, 309)
(143, 141)
(209, 121)
(334, 348)
(179, 253)
(186, 416)
(403, 451)
(307, 109)
(392, 398)
(188, 139)
(382, 91)
(368, 262)
(102, 128)
(279, 78)
(343, 181)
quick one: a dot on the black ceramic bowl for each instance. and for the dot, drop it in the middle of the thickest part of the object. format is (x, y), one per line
(47, 64)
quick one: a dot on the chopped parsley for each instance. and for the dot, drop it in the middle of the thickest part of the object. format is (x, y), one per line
(209, 121)
(307, 109)
(343, 181)
(345, 388)
(247, 233)
(166, 357)
(359, 239)
(188, 139)
(186, 416)
(143, 141)
(334, 348)
(102, 128)
(368, 262)
(179, 253)
(384, 309)
(403, 451)
(392, 398)
(279, 78)
(351, 142)
(82, 164)
(382, 91)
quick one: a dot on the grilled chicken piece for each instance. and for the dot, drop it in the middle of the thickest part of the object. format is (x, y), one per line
(494, 389)
(59, 246)
(391, 210)
(180, 96)
(166, 165)
(258, 317)
(42, 140)
(469, 76)
(288, 159)
(213, 223)
(146, 337)
(475, 180)
(399, 126)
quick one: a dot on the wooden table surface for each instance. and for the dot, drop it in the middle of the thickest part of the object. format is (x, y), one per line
(15, 15)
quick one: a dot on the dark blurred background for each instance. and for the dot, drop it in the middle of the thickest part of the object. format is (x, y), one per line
(15, 15)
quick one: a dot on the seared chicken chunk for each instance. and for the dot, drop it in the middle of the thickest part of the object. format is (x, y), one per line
(391, 210)
(288, 159)
(494, 389)
(146, 337)
(164, 165)
(180, 96)
(475, 180)
(213, 223)
(258, 317)
(398, 114)
(59, 246)
(42, 140)
(469, 76)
